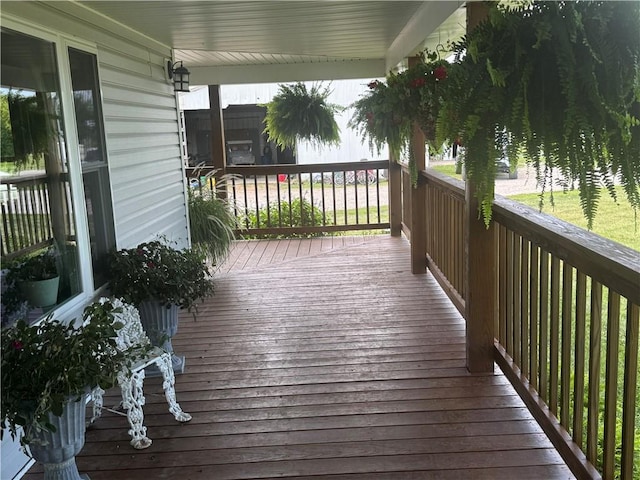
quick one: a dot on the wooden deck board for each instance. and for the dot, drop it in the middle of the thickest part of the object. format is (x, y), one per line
(326, 358)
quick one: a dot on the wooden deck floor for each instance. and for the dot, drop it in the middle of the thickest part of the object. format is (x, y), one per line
(339, 364)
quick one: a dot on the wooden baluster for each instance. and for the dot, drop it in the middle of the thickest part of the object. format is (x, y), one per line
(534, 321)
(544, 326)
(611, 385)
(515, 288)
(266, 186)
(565, 352)
(579, 368)
(523, 293)
(630, 383)
(595, 347)
(554, 342)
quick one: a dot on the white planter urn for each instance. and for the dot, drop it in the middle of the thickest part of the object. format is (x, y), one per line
(161, 324)
(57, 450)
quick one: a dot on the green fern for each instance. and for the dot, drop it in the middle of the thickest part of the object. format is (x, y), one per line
(298, 113)
(559, 82)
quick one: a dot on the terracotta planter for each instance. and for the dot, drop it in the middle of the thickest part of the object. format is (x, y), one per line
(161, 324)
(57, 450)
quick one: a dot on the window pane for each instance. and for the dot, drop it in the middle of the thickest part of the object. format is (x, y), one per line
(38, 221)
(95, 172)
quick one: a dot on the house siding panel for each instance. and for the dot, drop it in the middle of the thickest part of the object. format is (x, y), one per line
(144, 153)
(141, 120)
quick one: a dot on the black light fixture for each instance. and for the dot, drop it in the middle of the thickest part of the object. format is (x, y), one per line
(180, 76)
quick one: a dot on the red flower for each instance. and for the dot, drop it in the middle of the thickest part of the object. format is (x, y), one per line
(18, 345)
(418, 82)
(374, 84)
(151, 265)
(440, 73)
(140, 251)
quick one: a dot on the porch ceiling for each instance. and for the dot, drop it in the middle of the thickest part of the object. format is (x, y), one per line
(258, 41)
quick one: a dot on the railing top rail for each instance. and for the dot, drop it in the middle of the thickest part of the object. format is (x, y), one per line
(454, 186)
(23, 177)
(250, 170)
(606, 261)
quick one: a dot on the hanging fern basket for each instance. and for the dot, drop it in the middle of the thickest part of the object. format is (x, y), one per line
(298, 113)
(558, 83)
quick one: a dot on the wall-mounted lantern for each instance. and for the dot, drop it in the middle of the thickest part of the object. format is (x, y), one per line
(180, 76)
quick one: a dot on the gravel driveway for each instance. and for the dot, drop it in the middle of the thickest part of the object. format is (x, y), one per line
(525, 183)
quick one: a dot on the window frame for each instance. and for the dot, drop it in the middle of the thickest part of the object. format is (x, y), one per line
(72, 307)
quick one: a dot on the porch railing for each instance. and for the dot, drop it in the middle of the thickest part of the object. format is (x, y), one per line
(567, 322)
(305, 199)
(568, 331)
(26, 217)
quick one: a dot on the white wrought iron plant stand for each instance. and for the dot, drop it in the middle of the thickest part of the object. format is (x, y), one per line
(132, 338)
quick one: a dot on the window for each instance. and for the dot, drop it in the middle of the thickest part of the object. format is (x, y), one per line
(95, 172)
(39, 224)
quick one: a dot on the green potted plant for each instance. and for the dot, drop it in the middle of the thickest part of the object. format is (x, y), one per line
(296, 112)
(47, 370)
(158, 279)
(211, 221)
(35, 277)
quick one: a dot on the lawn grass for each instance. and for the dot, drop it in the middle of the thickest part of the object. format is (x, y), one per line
(362, 215)
(448, 169)
(615, 221)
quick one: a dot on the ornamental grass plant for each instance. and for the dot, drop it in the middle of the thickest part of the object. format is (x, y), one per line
(211, 220)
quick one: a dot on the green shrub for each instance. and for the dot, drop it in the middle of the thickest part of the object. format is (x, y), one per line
(298, 213)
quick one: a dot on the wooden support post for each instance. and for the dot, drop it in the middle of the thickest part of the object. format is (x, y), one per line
(218, 149)
(480, 263)
(395, 197)
(418, 201)
(480, 288)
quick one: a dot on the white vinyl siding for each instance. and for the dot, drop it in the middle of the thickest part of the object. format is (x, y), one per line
(141, 120)
(143, 144)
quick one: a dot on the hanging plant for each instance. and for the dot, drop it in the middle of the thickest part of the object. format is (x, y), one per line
(377, 117)
(387, 112)
(25, 134)
(560, 82)
(298, 113)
